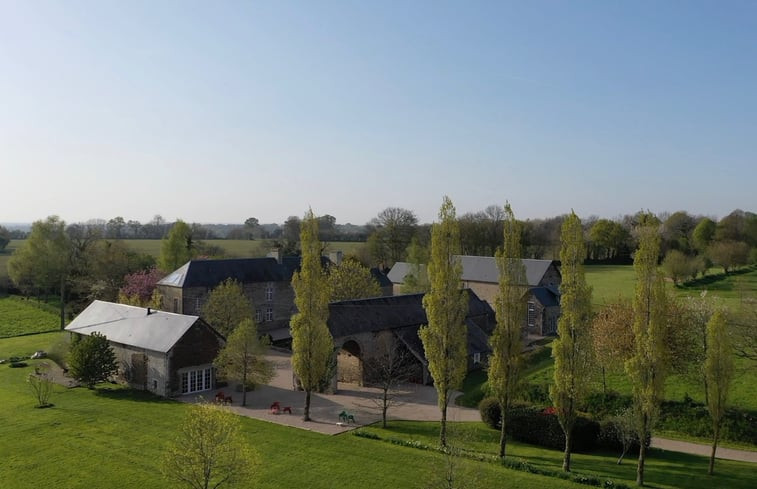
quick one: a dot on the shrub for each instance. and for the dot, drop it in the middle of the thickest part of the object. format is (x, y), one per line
(18, 364)
(531, 425)
(491, 414)
(536, 394)
(603, 405)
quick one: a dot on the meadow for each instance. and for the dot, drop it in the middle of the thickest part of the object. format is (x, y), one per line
(19, 316)
(115, 438)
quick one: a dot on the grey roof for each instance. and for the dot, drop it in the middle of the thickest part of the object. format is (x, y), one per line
(130, 325)
(210, 273)
(546, 296)
(480, 269)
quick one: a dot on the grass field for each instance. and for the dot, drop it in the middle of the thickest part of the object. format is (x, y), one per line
(114, 438)
(237, 248)
(20, 316)
(663, 469)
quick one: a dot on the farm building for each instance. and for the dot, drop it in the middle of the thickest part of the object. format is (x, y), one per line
(365, 328)
(161, 352)
(481, 275)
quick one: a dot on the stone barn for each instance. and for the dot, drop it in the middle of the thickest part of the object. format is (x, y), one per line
(481, 275)
(165, 353)
(363, 330)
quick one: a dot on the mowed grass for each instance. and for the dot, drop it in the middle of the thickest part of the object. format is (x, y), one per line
(115, 438)
(663, 469)
(21, 316)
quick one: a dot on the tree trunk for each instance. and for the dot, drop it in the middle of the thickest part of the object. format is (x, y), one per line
(306, 416)
(244, 388)
(62, 304)
(502, 439)
(443, 431)
(715, 436)
(384, 407)
(640, 465)
(604, 384)
(566, 454)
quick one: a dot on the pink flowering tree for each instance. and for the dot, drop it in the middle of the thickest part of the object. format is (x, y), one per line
(139, 288)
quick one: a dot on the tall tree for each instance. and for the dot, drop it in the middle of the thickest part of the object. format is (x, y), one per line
(5, 238)
(718, 368)
(312, 343)
(209, 451)
(177, 248)
(573, 347)
(243, 357)
(505, 360)
(612, 336)
(647, 366)
(445, 336)
(226, 307)
(43, 262)
(416, 280)
(251, 226)
(395, 227)
(703, 234)
(351, 280)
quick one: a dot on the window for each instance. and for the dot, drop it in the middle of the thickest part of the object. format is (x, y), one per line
(531, 314)
(258, 315)
(269, 292)
(196, 380)
(476, 358)
(269, 314)
(176, 305)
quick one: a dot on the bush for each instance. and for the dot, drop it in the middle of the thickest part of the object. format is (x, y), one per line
(603, 405)
(685, 416)
(531, 425)
(18, 364)
(491, 414)
(536, 394)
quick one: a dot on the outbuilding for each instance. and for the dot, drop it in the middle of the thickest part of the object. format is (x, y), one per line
(165, 353)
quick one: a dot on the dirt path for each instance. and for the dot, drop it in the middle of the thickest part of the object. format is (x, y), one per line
(700, 449)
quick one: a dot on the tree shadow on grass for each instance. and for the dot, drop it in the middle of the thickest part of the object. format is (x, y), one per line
(122, 394)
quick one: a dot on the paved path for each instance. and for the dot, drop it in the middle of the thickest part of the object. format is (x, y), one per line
(700, 449)
(418, 402)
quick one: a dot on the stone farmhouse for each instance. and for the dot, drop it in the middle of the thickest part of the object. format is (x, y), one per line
(481, 274)
(365, 328)
(165, 353)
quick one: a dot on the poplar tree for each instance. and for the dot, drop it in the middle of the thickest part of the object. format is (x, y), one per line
(312, 343)
(718, 368)
(445, 336)
(572, 349)
(646, 368)
(505, 359)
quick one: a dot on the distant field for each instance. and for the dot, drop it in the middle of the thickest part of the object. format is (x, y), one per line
(238, 248)
(612, 281)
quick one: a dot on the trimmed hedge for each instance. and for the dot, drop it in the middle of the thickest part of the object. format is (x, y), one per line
(491, 414)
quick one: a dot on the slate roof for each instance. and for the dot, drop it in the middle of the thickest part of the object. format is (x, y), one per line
(209, 273)
(130, 325)
(380, 277)
(547, 296)
(403, 314)
(480, 269)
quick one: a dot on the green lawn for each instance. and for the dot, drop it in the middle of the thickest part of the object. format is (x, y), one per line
(663, 469)
(20, 316)
(115, 438)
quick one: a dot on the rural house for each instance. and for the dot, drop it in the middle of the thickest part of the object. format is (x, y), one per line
(481, 274)
(165, 353)
(364, 328)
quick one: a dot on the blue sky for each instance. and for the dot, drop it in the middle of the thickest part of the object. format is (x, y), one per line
(217, 111)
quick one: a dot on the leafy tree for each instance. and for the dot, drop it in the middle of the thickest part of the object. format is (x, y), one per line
(677, 266)
(646, 368)
(92, 360)
(243, 357)
(41, 384)
(416, 281)
(312, 343)
(209, 451)
(731, 227)
(729, 254)
(744, 326)
(718, 368)
(607, 239)
(251, 226)
(43, 262)
(115, 228)
(676, 231)
(505, 360)
(394, 229)
(612, 336)
(703, 234)
(5, 238)
(291, 234)
(140, 289)
(351, 280)
(445, 336)
(226, 307)
(177, 248)
(572, 349)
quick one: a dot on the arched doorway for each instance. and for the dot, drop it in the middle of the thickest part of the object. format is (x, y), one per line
(349, 364)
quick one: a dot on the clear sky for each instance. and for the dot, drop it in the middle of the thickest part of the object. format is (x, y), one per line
(218, 111)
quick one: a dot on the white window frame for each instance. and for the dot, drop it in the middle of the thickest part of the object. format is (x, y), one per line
(476, 358)
(269, 292)
(269, 314)
(196, 379)
(531, 313)
(258, 316)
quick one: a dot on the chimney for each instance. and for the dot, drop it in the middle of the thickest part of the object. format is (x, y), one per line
(276, 253)
(149, 311)
(336, 257)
